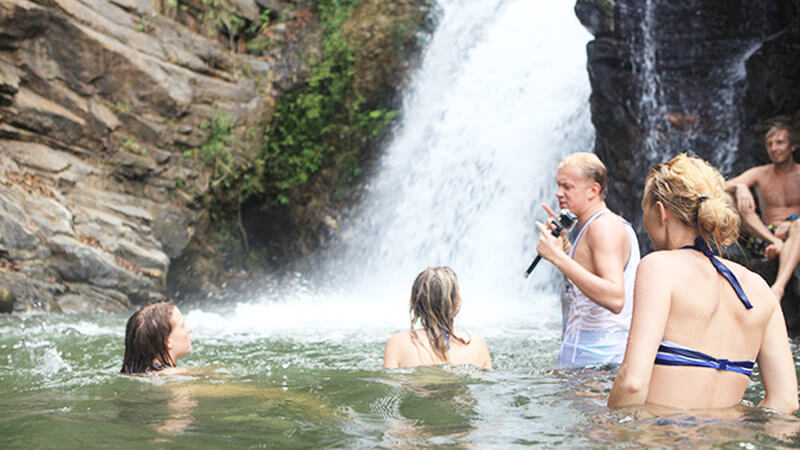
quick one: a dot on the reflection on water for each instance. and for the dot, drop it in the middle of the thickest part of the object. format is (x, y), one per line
(428, 405)
(60, 387)
(739, 427)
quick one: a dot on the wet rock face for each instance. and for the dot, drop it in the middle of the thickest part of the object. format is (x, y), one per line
(697, 76)
(106, 112)
(672, 77)
(96, 195)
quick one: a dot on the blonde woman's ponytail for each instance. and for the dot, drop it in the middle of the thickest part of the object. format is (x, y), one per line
(694, 191)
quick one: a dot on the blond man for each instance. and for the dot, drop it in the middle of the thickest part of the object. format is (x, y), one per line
(600, 267)
(778, 188)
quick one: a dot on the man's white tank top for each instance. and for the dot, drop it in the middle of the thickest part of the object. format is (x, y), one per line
(582, 312)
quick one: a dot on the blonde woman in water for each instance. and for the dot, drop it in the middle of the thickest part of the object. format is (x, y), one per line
(435, 302)
(700, 322)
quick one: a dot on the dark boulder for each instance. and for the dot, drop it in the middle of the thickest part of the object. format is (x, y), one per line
(697, 76)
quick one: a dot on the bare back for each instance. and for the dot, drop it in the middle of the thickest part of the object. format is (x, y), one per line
(778, 193)
(402, 351)
(706, 315)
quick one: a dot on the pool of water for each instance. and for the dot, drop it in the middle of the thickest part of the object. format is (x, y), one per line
(323, 386)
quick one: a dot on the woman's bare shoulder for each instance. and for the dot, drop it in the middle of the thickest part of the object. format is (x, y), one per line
(477, 340)
(400, 336)
(186, 371)
(745, 275)
(401, 341)
(670, 267)
(659, 259)
(752, 283)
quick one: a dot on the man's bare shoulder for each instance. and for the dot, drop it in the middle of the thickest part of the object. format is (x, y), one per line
(759, 173)
(608, 226)
(751, 177)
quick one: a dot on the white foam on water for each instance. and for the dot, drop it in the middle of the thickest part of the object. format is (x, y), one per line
(89, 329)
(47, 360)
(312, 319)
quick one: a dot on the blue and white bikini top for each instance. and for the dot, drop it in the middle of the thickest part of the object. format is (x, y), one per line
(671, 354)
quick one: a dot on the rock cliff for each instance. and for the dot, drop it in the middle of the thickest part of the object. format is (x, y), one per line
(109, 111)
(698, 76)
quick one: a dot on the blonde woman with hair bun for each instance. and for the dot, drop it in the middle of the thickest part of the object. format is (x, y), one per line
(435, 302)
(700, 322)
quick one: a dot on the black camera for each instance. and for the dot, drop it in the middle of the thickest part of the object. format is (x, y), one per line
(565, 220)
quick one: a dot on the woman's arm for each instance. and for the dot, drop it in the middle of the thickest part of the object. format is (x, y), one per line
(777, 368)
(651, 303)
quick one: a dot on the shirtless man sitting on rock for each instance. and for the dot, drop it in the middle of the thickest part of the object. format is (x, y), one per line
(778, 189)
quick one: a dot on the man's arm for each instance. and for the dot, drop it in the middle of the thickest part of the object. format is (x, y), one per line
(748, 179)
(746, 205)
(604, 238)
(740, 188)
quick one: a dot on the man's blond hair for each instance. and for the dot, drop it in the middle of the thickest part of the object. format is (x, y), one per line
(591, 166)
(783, 126)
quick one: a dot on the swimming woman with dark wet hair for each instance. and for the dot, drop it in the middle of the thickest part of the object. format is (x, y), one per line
(435, 302)
(155, 337)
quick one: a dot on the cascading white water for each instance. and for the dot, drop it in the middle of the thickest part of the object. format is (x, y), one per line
(501, 95)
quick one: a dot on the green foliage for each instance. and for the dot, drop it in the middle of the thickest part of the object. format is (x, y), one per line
(239, 178)
(259, 44)
(237, 254)
(322, 124)
(264, 21)
(122, 108)
(133, 146)
(323, 117)
(218, 147)
(218, 18)
(216, 152)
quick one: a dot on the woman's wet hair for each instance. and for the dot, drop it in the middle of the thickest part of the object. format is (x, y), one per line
(694, 191)
(146, 338)
(435, 302)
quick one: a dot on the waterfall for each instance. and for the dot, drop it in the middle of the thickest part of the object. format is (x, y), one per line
(692, 80)
(500, 96)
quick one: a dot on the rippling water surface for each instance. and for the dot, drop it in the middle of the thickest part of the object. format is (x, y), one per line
(59, 388)
(500, 97)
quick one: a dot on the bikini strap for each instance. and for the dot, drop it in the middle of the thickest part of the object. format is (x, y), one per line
(701, 246)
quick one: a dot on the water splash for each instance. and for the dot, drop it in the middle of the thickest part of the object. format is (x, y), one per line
(485, 123)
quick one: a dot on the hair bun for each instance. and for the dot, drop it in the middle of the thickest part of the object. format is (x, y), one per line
(717, 219)
(693, 190)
